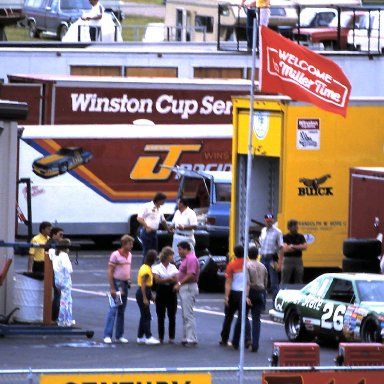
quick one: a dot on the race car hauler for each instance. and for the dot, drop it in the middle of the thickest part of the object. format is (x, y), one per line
(111, 165)
(91, 179)
(301, 157)
(64, 99)
(366, 202)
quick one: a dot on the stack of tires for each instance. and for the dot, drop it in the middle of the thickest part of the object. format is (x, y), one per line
(361, 255)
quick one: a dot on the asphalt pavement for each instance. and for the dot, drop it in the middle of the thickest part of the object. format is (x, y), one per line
(90, 307)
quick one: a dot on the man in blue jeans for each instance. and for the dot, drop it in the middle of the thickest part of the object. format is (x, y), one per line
(150, 217)
(271, 252)
(256, 293)
(259, 9)
(119, 277)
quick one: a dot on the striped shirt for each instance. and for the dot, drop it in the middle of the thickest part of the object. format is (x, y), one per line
(271, 240)
(234, 271)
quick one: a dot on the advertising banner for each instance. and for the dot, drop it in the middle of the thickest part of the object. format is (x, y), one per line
(128, 378)
(295, 71)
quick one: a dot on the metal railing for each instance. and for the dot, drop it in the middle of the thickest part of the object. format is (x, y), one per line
(364, 33)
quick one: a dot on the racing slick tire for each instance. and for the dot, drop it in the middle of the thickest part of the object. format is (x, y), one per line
(371, 331)
(208, 274)
(294, 327)
(361, 265)
(207, 266)
(367, 249)
(33, 32)
(61, 32)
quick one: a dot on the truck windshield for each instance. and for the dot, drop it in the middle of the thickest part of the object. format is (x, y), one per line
(195, 191)
(345, 20)
(310, 18)
(223, 192)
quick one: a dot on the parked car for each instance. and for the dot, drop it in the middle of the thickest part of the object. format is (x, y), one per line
(342, 306)
(327, 37)
(56, 16)
(52, 16)
(370, 35)
(62, 161)
(309, 18)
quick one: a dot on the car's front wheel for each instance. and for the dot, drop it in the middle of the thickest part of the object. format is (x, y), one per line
(294, 327)
(371, 331)
(62, 32)
(63, 168)
(32, 30)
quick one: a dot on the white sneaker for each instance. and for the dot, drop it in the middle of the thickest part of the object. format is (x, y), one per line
(140, 340)
(107, 340)
(70, 323)
(122, 340)
(152, 341)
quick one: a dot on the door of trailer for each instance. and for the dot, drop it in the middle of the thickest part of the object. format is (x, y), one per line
(183, 24)
(266, 165)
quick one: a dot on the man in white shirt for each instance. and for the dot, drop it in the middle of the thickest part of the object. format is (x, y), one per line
(94, 17)
(271, 251)
(150, 217)
(183, 224)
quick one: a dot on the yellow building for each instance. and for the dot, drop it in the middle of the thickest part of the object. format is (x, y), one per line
(301, 157)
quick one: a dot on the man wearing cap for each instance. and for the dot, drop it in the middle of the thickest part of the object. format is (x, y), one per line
(150, 217)
(271, 249)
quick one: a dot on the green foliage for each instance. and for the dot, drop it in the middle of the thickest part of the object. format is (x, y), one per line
(16, 33)
(134, 26)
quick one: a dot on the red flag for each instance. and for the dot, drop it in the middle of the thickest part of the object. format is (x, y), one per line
(295, 71)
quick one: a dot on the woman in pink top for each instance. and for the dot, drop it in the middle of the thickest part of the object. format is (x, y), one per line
(119, 277)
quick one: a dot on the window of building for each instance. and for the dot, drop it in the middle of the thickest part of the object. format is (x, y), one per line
(204, 24)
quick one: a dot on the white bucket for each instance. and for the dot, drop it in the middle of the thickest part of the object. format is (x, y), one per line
(29, 297)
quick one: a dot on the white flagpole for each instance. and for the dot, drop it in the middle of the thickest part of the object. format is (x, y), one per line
(247, 204)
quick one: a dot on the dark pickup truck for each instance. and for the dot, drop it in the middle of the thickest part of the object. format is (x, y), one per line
(209, 195)
(331, 37)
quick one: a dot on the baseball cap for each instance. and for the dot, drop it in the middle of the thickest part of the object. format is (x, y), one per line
(269, 216)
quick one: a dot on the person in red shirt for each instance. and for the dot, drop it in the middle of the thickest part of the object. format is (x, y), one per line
(234, 283)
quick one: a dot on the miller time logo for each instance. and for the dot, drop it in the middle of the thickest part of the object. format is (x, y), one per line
(315, 187)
